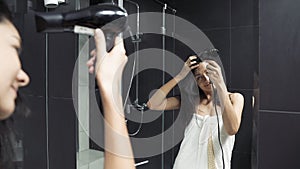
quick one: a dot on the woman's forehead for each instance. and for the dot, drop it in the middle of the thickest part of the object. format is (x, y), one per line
(201, 68)
(9, 29)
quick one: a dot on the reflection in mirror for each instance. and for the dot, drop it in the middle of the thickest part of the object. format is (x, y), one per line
(227, 40)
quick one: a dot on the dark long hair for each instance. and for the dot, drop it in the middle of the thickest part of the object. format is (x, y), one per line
(9, 135)
(7, 131)
(7, 138)
(191, 93)
(190, 96)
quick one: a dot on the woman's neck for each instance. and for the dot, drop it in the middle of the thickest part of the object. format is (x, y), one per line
(208, 98)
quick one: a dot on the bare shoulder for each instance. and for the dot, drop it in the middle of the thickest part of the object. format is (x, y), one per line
(236, 97)
(237, 100)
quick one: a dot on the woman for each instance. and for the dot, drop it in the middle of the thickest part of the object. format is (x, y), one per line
(206, 141)
(12, 77)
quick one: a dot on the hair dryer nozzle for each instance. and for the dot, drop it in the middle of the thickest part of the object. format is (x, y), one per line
(49, 22)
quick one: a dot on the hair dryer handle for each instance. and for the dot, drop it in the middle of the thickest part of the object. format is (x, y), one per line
(110, 40)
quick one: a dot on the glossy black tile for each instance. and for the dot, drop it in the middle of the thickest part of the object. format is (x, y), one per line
(244, 13)
(168, 159)
(221, 41)
(205, 14)
(62, 56)
(243, 139)
(35, 137)
(278, 139)
(146, 6)
(279, 61)
(244, 57)
(154, 162)
(241, 160)
(62, 122)
(33, 56)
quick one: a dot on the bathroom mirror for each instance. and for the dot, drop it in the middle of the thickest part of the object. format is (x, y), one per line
(223, 28)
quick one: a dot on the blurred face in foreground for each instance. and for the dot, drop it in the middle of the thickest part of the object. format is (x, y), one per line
(11, 74)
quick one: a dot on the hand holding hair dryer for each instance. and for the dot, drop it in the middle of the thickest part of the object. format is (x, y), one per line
(111, 18)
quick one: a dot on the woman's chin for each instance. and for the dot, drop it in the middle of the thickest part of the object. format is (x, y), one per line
(7, 110)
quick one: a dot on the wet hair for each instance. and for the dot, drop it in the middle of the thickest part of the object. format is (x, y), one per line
(7, 132)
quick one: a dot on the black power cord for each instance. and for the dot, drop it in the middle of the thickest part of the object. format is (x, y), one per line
(219, 135)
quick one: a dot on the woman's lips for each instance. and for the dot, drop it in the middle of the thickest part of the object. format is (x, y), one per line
(15, 89)
(206, 85)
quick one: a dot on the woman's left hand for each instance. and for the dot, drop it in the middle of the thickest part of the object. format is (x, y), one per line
(214, 73)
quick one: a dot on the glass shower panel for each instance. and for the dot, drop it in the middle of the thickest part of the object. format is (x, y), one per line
(86, 158)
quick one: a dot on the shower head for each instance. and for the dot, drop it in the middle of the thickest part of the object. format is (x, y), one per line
(111, 18)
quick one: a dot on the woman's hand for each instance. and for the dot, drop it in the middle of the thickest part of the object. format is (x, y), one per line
(109, 66)
(214, 73)
(189, 64)
(108, 70)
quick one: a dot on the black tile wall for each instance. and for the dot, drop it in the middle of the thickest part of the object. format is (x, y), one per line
(244, 13)
(243, 139)
(278, 135)
(33, 62)
(221, 41)
(231, 26)
(62, 49)
(278, 140)
(168, 160)
(205, 14)
(244, 57)
(154, 162)
(62, 138)
(145, 6)
(33, 56)
(152, 120)
(62, 54)
(279, 55)
(151, 41)
(35, 141)
(241, 160)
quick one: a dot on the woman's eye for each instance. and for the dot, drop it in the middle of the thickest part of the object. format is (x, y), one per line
(19, 50)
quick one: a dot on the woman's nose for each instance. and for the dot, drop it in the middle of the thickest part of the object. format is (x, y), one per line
(206, 77)
(22, 78)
